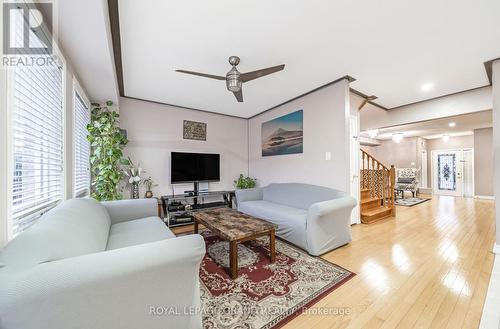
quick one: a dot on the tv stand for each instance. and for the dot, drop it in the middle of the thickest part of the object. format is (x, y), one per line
(196, 192)
(178, 209)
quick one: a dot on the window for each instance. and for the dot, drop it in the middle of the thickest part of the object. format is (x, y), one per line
(36, 108)
(82, 148)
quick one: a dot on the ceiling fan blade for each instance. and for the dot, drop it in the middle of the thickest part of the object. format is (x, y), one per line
(202, 74)
(260, 73)
(239, 95)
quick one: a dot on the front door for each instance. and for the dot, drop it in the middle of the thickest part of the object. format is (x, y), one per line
(447, 173)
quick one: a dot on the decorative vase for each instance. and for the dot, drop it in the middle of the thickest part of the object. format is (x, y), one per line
(135, 191)
(149, 194)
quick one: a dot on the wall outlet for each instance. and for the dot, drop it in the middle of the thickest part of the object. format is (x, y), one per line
(328, 156)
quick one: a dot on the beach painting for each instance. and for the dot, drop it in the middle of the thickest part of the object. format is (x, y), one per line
(283, 135)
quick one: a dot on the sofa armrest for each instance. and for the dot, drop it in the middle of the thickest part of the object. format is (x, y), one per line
(124, 288)
(250, 194)
(329, 207)
(329, 223)
(125, 210)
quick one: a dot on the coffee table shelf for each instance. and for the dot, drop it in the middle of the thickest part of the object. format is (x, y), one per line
(236, 227)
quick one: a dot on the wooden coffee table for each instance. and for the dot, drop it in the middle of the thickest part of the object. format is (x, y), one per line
(236, 227)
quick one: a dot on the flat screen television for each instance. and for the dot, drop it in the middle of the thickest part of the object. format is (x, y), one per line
(194, 167)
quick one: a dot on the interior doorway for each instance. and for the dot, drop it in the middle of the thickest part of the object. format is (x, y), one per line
(453, 172)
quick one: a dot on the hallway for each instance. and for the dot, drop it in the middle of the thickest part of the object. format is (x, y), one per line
(427, 268)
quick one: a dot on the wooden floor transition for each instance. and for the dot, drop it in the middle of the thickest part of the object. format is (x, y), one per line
(427, 268)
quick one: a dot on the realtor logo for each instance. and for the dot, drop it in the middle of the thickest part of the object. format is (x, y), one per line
(28, 18)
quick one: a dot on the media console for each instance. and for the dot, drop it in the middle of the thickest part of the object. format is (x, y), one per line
(178, 209)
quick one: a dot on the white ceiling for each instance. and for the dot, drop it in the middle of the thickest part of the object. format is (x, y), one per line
(81, 27)
(464, 125)
(392, 48)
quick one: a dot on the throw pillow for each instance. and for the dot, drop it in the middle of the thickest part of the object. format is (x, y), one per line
(405, 180)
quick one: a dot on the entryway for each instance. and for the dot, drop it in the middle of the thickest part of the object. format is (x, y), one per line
(453, 172)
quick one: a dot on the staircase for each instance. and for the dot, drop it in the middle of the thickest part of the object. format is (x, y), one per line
(377, 189)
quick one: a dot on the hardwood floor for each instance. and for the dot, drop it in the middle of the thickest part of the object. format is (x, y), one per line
(427, 268)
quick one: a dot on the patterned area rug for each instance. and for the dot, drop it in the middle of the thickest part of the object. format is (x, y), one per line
(409, 202)
(265, 295)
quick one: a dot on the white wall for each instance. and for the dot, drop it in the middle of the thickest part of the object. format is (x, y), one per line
(483, 162)
(462, 103)
(401, 155)
(326, 127)
(496, 146)
(155, 130)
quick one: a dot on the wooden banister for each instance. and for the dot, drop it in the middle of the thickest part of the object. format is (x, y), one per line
(372, 157)
(379, 179)
(393, 185)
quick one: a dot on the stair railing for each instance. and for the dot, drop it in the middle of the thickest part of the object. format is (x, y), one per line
(379, 179)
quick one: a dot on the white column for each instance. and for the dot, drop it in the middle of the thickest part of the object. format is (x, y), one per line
(496, 148)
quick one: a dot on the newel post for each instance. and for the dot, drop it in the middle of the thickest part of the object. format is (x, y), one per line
(393, 185)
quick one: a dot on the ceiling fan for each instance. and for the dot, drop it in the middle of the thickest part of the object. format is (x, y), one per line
(234, 79)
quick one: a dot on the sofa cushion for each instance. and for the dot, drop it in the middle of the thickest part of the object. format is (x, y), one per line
(291, 221)
(75, 227)
(137, 231)
(299, 195)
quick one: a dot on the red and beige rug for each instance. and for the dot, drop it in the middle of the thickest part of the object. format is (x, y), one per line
(265, 295)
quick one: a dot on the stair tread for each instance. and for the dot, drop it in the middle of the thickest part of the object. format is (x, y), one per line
(375, 211)
(367, 200)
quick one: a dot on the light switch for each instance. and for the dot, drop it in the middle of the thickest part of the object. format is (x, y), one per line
(328, 156)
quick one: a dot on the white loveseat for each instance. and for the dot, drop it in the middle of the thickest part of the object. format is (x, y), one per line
(112, 265)
(314, 218)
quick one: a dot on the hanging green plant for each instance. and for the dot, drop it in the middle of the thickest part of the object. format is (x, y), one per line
(107, 143)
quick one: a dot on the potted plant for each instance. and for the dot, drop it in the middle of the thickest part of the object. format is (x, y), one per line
(149, 185)
(107, 143)
(245, 182)
(134, 176)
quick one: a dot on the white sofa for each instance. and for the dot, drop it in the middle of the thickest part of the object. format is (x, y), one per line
(112, 265)
(314, 218)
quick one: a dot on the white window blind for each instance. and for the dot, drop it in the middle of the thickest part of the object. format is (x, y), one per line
(82, 148)
(37, 140)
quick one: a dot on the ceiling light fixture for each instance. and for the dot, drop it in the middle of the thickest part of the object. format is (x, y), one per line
(398, 137)
(446, 138)
(372, 133)
(427, 87)
(452, 124)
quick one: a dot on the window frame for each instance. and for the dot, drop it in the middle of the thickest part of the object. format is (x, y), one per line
(77, 90)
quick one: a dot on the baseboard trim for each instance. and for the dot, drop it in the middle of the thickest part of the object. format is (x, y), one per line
(496, 248)
(484, 197)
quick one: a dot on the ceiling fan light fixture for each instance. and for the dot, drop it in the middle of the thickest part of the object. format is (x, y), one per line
(372, 133)
(398, 137)
(233, 85)
(233, 81)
